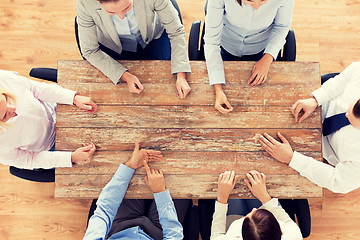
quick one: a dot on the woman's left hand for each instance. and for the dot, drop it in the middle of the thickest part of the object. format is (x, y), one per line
(260, 70)
(182, 85)
(85, 103)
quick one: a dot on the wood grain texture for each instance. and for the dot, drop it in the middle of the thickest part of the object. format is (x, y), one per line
(183, 117)
(180, 139)
(107, 162)
(198, 186)
(158, 71)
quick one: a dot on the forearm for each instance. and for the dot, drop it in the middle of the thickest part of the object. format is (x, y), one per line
(170, 224)
(218, 226)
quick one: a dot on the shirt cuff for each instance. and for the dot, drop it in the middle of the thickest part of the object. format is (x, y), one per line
(125, 172)
(297, 161)
(320, 96)
(63, 159)
(68, 97)
(217, 77)
(221, 207)
(272, 51)
(162, 197)
(270, 204)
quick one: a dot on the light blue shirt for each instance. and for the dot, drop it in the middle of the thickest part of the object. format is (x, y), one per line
(242, 30)
(109, 201)
(128, 31)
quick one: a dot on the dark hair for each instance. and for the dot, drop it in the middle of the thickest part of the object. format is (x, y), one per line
(239, 2)
(356, 109)
(261, 225)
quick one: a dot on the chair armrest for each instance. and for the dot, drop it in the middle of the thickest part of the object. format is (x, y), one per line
(194, 40)
(49, 74)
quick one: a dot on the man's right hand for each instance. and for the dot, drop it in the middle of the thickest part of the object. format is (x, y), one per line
(154, 179)
(83, 155)
(221, 102)
(133, 82)
(303, 108)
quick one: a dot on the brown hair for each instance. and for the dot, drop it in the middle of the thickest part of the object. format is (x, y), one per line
(9, 95)
(356, 109)
(261, 225)
(239, 2)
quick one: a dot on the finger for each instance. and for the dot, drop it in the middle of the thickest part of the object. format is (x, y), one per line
(87, 107)
(94, 106)
(146, 180)
(248, 184)
(235, 180)
(297, 110)
(282, 138)
(180, 92)
(86, 148)
(220, 176)
(221, 109)
(271, 139)
(254, 74)
(266, 148)
(255, 176)
(228, 105)
(293, 108)
(264, 79)
(139, 85)
(304, 116)
(266, 142)
(263, 176)
(161, 172)
(256, 81)
(186, 92)
(232, 175)
(250, 177)
(147, 169)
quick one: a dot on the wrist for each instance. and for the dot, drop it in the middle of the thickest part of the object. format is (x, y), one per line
(315, 101)
(159, 190)
(180, 75)
(125, 76)
(222, 200)
(128, 164)
(264, 199)
(75, 99)
(218, 88)
(269, 59)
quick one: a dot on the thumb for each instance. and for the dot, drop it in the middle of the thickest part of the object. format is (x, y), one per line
(283, 139)
(86, 148)
(87, 107)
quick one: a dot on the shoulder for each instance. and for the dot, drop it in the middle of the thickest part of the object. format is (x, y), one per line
(88, 4)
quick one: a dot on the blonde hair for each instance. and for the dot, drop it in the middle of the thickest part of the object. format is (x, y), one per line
(9, 95)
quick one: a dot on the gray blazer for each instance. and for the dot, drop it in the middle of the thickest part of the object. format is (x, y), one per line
(95, 26)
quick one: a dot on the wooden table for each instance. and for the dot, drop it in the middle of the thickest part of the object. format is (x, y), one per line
(197, 142)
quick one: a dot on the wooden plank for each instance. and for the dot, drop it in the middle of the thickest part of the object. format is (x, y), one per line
(202, 186)
(179, 139)
(201, 94)
(183, 117)
(107, 162)
(289, 73)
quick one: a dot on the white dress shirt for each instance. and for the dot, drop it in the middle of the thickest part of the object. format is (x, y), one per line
(29, 135)
(241, 30)
(342, 148)
(218, 227)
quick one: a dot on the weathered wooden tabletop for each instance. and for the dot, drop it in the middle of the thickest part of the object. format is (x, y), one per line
(197, 142)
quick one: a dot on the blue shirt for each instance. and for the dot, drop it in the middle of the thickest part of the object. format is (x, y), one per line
(128, 31)
(242, 30)
(109, 201)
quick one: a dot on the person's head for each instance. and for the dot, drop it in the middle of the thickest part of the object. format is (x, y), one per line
(255, 4)
(7, 107)
(118, 7)
(260, 224)
(353, 114)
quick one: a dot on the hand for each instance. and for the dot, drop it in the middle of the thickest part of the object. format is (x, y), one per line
(139, 156)
(85, 103)
(226, 184)
(221, 102)
(303, 108)
(280, 151)
(154, 179)
(260, 70)
(83, 155)
(257, 185)
(182, 85)
(133, 82)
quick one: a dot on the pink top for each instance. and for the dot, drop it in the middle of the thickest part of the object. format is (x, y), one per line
(26, 142)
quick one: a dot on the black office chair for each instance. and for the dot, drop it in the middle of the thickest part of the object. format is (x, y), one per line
(77, 31)
(38, 175)
(327, 76)
(300, 209)
(190, 228)
(196, 52)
